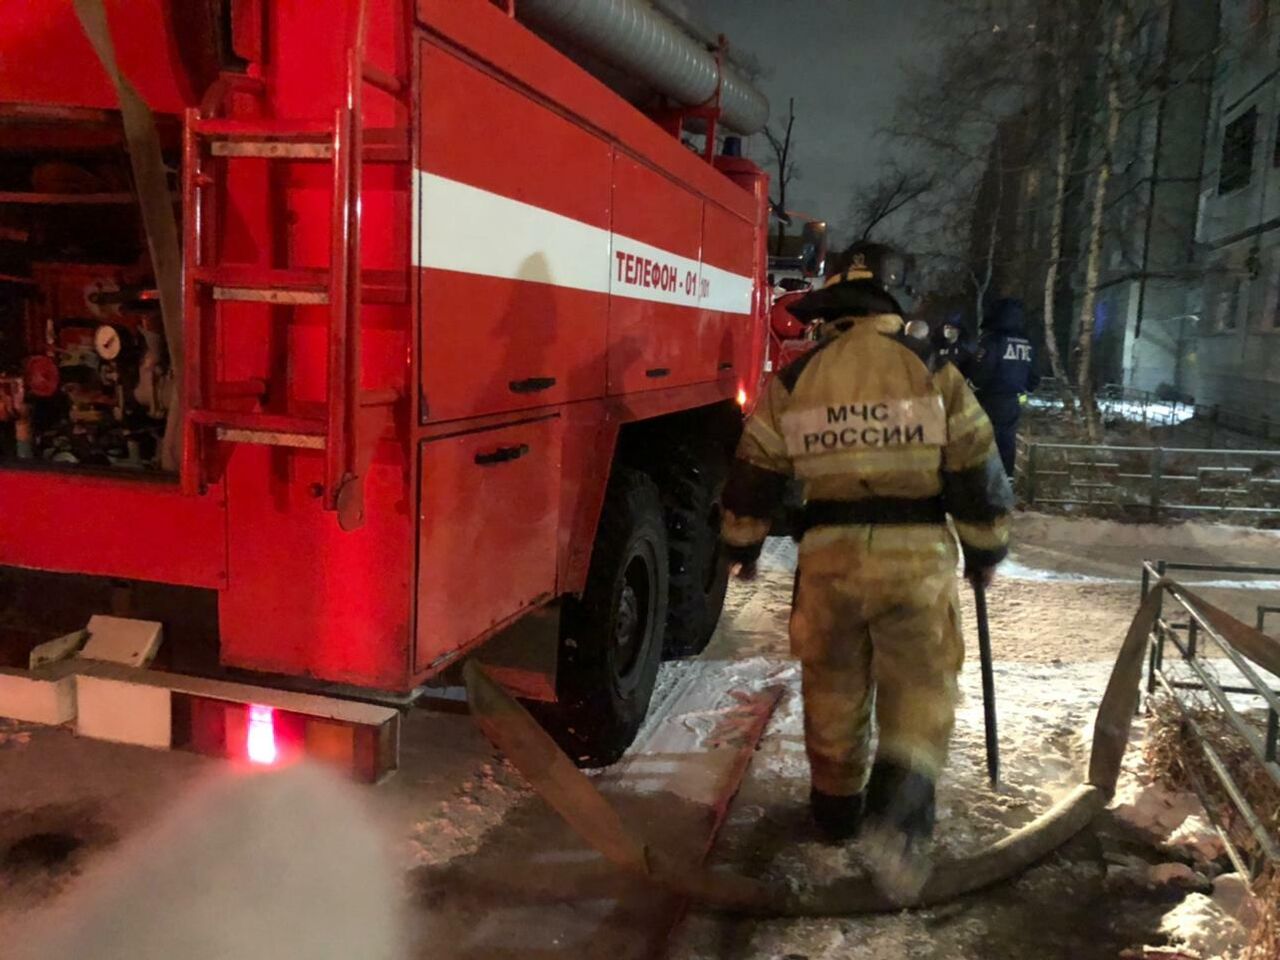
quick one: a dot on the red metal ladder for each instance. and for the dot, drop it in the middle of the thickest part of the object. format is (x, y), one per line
(354, 418)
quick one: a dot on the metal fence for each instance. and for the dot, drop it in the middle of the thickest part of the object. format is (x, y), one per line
(1187, 658)
(1152, 482)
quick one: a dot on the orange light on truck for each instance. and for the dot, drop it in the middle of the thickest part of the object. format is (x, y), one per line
(742, 397)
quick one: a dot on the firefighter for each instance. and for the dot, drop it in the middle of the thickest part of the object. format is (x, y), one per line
(887, 443)
(1002, 372)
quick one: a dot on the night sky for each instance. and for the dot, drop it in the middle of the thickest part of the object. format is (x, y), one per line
(841, 60)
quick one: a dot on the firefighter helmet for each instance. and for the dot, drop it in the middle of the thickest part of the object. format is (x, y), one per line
(884, 266)
(865, 278)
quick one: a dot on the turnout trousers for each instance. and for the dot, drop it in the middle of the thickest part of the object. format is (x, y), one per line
(875, 624)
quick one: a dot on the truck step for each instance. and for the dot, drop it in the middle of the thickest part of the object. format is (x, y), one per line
(307, 141)
(296, 287)
(264, 429)
(316, 131)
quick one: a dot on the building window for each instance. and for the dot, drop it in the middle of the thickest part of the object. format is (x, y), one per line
(1237, 152)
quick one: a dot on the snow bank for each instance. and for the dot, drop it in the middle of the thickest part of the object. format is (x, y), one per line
(1154, 810)
(1202, 924)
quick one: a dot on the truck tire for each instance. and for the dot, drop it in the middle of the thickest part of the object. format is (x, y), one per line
(692, 482)
(611, 639)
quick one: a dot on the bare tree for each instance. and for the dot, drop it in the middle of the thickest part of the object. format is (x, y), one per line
(1097, 214)
(954, 121)
(983, 271)
(783, 146)
(894, 190)
(1060, 102)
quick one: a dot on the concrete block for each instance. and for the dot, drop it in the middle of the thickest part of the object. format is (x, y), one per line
(111, 709)
(120, 640)
(48, 698)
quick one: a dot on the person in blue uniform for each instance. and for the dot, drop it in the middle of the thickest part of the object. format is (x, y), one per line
(1002, 371)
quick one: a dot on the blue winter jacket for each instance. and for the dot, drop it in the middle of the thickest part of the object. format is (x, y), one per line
(1004, 365)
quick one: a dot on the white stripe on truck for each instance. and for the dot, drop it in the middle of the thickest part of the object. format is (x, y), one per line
(465, 229)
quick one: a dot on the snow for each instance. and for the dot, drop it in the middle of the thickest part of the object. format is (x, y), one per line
(458, 826)
(1155, 412)
(1201, 924)
(1196, 837)
(1153, 809)
(1015, 570)
(1129, 411)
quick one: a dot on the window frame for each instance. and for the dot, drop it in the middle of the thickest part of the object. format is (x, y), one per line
(1242, 155)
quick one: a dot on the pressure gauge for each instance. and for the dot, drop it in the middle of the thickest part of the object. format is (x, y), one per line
(106, 341)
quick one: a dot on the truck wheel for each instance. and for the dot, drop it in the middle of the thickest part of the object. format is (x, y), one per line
(611, 640)
(692, 484)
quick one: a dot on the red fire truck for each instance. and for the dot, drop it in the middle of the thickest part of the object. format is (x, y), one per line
(342, 337)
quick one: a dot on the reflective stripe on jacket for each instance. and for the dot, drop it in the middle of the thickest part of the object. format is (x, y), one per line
(879, 434)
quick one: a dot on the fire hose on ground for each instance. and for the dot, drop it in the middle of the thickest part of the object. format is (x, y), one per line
(575, 798)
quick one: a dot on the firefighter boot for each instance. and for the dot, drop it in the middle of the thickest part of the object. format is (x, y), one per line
(838, 818)
(898, 833)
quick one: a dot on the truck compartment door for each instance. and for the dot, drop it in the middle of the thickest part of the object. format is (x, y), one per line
(512, 246)
(728, 272)
(488, 525)
(657, 335)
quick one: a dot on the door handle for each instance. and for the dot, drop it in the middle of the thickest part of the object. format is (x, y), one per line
(501, 455)
(532, 385)
(657, 373)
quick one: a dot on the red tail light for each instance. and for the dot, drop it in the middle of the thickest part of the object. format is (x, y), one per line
(260, 740)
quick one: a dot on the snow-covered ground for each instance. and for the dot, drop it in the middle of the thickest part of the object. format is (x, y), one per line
(489, 872)
(1130, 411)
(1059, 610)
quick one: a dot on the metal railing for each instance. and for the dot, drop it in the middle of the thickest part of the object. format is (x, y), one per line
(1191, 671)
(1151, 482)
